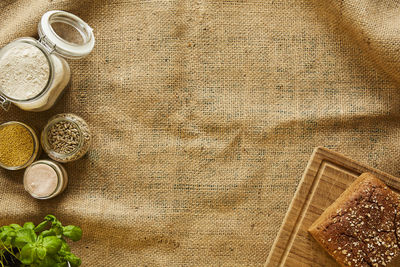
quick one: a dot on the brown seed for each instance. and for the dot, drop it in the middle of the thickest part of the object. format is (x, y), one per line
(63, 137)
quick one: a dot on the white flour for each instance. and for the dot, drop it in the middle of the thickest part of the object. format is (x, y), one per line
(24, 71)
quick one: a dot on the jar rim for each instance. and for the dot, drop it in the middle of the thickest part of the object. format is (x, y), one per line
(56, 167)
(41, 47)
(36, 146)
(52, 40)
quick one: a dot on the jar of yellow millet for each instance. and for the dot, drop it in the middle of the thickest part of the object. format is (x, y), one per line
(19, 145)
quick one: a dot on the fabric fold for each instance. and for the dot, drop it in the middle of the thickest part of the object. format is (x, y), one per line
(374, 25)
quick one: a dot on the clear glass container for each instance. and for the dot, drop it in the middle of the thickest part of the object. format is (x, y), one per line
(61, 35)
(83, 142)
(36, 146)
(61, 179)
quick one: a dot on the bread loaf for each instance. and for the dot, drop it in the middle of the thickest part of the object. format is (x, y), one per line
(361, 228)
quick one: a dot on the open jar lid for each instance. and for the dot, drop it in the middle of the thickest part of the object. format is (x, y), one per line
(66, 34)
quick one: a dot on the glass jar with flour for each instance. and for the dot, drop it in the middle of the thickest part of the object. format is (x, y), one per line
(34, 73)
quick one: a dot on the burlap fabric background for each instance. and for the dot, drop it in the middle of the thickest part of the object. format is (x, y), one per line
(204, 116)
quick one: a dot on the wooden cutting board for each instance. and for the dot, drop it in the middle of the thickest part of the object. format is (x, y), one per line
(327, 175)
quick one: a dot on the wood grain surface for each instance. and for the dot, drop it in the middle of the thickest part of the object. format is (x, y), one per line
(327, 175)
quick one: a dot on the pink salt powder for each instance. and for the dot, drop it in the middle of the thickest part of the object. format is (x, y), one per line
(41, 180)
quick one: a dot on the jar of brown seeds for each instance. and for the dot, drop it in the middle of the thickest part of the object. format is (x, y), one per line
(66, 137)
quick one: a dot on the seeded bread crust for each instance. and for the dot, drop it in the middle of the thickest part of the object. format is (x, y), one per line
(361, 228)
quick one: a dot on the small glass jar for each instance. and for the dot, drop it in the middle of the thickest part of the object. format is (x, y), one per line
(61, 35)
(58, 145)
(45, 179)
(35, 150)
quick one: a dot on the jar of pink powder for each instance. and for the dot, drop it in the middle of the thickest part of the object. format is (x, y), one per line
(45, 179)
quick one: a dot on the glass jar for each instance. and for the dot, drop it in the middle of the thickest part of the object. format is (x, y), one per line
(66, 137)
(37, 68)
(45, 179)
(36, 147)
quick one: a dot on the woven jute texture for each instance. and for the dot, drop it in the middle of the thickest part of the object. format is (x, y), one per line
(204, 116)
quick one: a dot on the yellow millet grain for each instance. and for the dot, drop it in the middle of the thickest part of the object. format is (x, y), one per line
(16, 145)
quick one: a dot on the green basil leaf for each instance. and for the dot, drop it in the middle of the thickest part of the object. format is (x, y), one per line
(55, 225)
(52, 244)
(24, 236)
(4, 235)
(41, 252)
(72, 232)
(50, 218)
(50, 232)
(12, 233)
(73, 260)
(39, 239)
(53, 220)
(40, 227)
(5, 229)
(48, 262)
(15, 226)
(59, 231)
(57, 258)
(28, 254)
(29, 225)
(12, 236)
(65, 247)
(8, 241)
